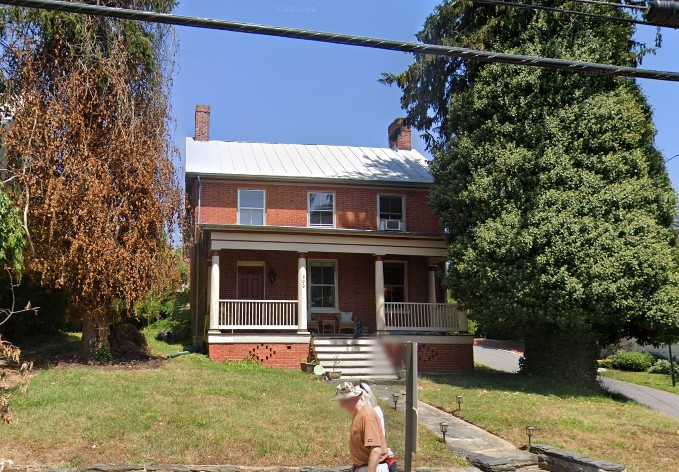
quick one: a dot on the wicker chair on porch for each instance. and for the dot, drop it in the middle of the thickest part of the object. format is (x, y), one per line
(347, 321)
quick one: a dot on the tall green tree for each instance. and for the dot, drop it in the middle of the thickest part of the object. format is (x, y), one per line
(557, 206)
(91, 152)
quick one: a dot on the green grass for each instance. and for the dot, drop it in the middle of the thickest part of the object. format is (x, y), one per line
(659, 381)
(187, 410)
(591, 422)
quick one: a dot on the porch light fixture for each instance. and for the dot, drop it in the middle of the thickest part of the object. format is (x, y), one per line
(458, 399)
(529, 432)
(394, 398)
(444, 429)
(272, 275)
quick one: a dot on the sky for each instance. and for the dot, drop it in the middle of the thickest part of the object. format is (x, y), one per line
(290, 91)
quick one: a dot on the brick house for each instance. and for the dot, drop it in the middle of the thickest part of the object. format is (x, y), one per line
(332, 243)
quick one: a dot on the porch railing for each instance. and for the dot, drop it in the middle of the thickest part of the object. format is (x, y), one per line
(258, 314)
(431, 317)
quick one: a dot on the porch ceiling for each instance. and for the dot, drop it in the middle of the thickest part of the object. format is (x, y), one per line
(434, 248)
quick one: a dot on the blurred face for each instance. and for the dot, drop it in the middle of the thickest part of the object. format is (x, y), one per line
(348, 404)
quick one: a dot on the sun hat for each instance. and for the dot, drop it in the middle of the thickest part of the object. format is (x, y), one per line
(347, 390)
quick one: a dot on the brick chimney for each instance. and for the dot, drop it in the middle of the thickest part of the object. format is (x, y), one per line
(400, 136)
(202, 132)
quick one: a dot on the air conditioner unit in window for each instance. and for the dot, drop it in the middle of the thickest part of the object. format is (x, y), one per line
(392, 225)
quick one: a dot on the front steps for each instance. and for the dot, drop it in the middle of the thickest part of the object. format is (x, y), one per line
(357, 358)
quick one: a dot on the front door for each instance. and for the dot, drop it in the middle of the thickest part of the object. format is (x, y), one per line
(250, 283)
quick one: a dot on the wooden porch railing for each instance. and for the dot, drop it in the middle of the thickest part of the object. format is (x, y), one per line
(427, 317)
(258, 314)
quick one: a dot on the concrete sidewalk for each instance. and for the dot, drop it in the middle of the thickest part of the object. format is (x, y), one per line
(492, 355)
(480, 447)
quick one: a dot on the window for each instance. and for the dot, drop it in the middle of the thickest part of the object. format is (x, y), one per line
(323, 285)
(390, 209)
(322, 209)
(251, 207)
(394, 282)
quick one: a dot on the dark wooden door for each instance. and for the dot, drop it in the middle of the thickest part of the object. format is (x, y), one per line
(250, 283)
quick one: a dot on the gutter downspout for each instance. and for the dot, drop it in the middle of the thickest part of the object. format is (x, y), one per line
(196, 334)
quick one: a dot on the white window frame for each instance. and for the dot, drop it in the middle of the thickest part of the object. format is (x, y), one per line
(405, 277)
(323, 309)
(403, 206)
(252, 208)
(308, 209)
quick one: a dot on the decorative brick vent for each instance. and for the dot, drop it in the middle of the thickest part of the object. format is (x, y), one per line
(280, 355)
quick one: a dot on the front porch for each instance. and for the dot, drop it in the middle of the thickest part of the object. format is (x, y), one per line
(265, 299)
(282, 315)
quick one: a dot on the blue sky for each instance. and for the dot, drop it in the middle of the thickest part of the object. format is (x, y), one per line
(290, 91)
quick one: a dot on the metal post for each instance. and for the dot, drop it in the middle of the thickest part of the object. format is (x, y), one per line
(674, 382)
(411, 405)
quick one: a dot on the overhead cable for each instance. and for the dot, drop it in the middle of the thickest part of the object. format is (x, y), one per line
(345, 39)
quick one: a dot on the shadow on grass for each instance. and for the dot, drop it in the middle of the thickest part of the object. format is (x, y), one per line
(490, 379)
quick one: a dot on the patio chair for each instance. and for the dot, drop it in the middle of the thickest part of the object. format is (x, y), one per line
(328, 320)
(347, 321)
(311, 324)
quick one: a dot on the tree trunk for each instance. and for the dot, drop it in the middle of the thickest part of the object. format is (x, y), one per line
(566, 356)
(96, 330)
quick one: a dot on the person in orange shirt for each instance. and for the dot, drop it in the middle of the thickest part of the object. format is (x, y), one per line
(367, 444)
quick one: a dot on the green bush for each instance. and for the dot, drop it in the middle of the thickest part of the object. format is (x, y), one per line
(632, 361)
(661, 366)
(606, 363)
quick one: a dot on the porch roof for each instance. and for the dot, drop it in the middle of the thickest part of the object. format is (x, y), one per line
(352, 242)
(306, 161)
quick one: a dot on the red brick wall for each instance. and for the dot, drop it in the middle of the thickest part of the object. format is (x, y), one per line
(356, 206)
(280, 356)
(437, 358)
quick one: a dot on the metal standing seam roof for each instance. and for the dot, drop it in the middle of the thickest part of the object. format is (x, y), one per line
(305, 161)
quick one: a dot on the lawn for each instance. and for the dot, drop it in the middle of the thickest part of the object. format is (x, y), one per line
(186, 410)
(591, 422)
(659, 381)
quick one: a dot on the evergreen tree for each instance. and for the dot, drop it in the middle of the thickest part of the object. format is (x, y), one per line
(557, 206)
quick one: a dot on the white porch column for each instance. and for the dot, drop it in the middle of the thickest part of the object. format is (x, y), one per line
(301, 293)
(214, 292)
(432, 283)
(379, 294)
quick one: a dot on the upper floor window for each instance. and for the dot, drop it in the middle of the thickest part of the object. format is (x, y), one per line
(391, 214)
(322, 209)
(251, 207)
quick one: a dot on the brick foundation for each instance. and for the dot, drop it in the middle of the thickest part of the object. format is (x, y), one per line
(278, 355)
(437, 358)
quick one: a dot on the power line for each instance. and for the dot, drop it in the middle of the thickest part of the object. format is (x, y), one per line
(350, 40)
(669, 159)
(526, 6)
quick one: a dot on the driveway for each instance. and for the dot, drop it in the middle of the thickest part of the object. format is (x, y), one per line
(503, 356)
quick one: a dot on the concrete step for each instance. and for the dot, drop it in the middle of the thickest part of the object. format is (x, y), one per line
(347, 355)
(346, 342)
(362, 371)
(368, 377)
(343, 348)
(346, 364)
(362, 358)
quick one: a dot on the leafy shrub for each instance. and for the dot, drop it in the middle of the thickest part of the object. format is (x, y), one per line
(661, 366)
(606, 363)
(632, 361)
